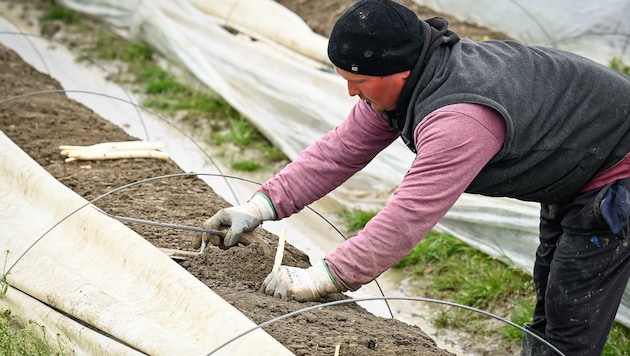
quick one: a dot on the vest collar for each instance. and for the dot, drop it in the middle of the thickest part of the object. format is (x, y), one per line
(436, 33)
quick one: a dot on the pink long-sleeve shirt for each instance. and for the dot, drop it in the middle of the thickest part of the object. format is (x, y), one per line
(453, 145)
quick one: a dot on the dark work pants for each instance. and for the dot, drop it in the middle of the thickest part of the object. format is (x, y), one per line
(582, 268)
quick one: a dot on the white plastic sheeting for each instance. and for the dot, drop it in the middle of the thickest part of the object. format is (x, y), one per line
(282, 87)
(599, 30)
(97, 286)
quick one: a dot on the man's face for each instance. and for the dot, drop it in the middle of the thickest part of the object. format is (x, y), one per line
(381, 92)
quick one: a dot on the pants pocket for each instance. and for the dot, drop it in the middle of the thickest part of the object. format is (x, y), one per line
(614, 208)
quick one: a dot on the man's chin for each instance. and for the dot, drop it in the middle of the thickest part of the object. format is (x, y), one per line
(375, 107)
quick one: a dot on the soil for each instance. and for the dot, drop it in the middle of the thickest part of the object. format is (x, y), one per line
(40, 124)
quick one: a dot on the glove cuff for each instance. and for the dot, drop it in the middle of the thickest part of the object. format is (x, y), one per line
(327, 283)
(264, 206)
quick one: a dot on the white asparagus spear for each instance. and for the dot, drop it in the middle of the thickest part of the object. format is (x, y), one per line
(114, 146)
(280, 251)
(86, 155)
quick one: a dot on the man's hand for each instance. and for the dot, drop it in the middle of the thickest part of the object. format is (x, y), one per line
(303, 285)
(240, 219)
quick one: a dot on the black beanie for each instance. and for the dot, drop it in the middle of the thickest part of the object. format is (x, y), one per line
(376, 37)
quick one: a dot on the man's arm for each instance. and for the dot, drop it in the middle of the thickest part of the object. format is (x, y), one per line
(453, 145)
(330, 161)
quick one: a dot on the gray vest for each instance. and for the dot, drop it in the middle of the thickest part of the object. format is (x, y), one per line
(567, 117)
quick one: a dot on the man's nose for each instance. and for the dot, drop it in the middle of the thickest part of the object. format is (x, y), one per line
(353, 90)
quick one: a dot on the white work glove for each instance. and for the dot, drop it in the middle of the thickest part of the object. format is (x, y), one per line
(240, 219)
(301, 284)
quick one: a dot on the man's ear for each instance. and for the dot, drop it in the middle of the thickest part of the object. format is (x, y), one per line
(404, 75)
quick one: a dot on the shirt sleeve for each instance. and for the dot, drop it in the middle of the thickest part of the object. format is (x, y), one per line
(453, 144)
(330, 161)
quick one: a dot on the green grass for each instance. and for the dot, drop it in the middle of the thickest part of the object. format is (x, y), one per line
(459, 273)
(246, 166)
(4, 283)
(355, 220)
(618, 65)
(241, 133)
(58, 12)
(16, 338)
(618, 342)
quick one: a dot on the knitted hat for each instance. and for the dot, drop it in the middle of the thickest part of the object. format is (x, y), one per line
(376, 37)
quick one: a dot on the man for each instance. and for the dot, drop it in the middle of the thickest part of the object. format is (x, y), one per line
(495, 118)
